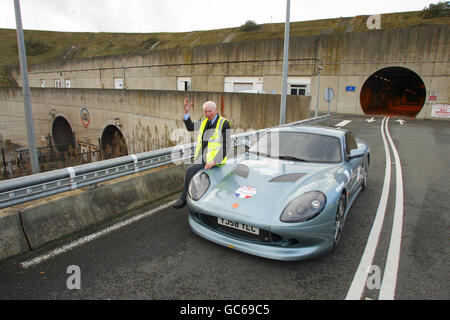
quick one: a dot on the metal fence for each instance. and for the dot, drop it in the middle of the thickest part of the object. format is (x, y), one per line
(27, 188)
(15, 162)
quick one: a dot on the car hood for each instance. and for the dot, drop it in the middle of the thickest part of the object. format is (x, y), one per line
(259, 188)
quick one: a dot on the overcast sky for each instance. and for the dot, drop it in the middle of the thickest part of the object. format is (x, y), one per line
(183, 15)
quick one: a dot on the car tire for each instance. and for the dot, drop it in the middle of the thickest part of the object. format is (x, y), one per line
(339, 220)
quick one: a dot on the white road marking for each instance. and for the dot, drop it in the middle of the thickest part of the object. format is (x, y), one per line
(388, 284)
(359, 280)
(343, 123)
(93, 236)
(370, 120)
(400, 121)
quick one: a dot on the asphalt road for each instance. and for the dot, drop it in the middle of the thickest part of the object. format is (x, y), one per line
(158, 257)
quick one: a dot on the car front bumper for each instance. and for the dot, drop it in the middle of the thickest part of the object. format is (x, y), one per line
(314, 241)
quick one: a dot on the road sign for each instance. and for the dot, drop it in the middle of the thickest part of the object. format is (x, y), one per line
(329, 94)
(440, 110)
(85, 117)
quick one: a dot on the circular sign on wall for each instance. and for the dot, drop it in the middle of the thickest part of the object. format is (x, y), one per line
(85, 117)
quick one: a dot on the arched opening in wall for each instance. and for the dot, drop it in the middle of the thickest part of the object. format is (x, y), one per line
(393, 91)
(62, 134)
(113, 143)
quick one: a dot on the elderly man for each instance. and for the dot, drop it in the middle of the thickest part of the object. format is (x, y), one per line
(213, 141)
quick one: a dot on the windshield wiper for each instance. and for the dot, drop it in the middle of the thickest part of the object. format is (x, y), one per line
(292, 158)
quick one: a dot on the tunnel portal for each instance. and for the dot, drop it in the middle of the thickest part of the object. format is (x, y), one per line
(62, 134)
(113, 143)
(393, 91)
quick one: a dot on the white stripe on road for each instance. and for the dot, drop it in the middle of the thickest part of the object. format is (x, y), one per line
(359, 281)
(94, 236)
(388, 285)
(343, 123)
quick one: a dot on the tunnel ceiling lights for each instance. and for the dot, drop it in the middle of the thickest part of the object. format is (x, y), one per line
(384, 79)
(410, 91)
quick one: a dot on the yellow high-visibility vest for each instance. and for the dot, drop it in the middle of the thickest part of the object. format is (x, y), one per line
(214, 143)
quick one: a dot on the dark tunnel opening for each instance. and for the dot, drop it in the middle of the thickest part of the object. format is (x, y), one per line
(113, 143)
(62, 134)
(393, 91)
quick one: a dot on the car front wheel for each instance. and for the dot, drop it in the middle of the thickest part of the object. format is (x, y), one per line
(339, 220)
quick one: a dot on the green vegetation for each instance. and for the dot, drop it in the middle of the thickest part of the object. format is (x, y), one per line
(148, 43)
(5, 80)
(250, 25)
(36, 47)
(47, 46)
(440, 9)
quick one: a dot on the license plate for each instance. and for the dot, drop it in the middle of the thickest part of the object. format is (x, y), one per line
(237, 225)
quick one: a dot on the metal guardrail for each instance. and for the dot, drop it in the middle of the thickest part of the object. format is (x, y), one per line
(23, 189)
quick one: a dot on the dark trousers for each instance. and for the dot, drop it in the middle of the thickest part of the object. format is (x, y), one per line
(190, 172)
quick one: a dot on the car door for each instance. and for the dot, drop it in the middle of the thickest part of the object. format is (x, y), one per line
(354, 166)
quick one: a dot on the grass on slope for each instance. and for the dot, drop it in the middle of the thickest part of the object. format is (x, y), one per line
(48, 46)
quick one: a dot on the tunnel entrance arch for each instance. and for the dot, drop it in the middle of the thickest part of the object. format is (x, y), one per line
(113, 143)
(393, 91)
(63, 136)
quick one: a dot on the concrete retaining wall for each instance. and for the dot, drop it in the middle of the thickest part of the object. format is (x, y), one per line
(32, 225)
(148, 119)
(349, 59)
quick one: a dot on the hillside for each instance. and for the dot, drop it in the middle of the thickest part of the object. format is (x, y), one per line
(47, 46)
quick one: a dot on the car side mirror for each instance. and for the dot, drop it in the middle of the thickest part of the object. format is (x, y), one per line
(355, 153)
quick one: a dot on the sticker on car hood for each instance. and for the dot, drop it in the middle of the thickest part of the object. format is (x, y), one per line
(245, 192)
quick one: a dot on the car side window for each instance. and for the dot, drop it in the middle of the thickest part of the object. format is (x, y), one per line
(350, 142)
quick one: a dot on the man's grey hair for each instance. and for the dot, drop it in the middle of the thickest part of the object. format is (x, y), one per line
(211, 104)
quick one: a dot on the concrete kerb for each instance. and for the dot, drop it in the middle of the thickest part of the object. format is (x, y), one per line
(12, 238)
(37, 223)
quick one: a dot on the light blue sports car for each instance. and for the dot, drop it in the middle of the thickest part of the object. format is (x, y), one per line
(286, 198)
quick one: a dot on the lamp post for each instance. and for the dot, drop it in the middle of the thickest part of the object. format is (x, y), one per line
(26, 91)
(285, 65)
(319, 69)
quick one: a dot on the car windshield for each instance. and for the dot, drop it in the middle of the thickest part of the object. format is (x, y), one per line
(298, 146)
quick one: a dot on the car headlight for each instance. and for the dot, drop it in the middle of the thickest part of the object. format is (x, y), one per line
(305, 207)
(198, 185)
